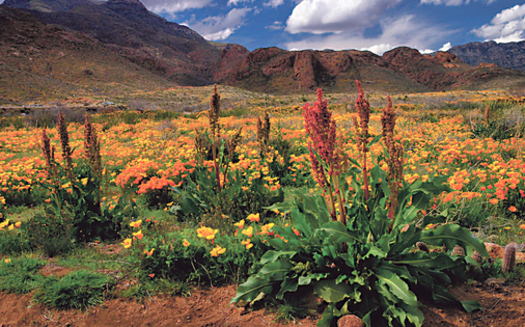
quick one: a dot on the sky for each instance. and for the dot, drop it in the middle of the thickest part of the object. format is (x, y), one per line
(375, 25)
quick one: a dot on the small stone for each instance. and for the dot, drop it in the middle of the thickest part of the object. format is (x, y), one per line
(349, 321)
(495, 282)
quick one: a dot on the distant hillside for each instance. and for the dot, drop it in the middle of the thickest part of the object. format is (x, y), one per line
(169, 49)
(508, 55)
(399, 70)
(39, 61)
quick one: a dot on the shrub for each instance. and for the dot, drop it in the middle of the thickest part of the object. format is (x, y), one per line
(53, 234)
(20, 275)
(78, 290)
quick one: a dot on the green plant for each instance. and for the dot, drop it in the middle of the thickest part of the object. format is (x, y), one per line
(359, 256)
(181, 256)
(20, 275)
(54, 235)
(77, 187)
(213, 192)
(199, 198)
(77, 290)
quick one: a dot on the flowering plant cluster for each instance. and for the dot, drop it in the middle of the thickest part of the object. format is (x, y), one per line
(357, 254)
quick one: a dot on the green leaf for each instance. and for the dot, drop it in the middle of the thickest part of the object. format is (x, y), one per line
(251, 289)
(300, 223)
(414, 315)
(339, 232)
(397, 286)
(471, 306)
(451, 235)
(271, 256)
(375, 140)
(288, 285)
(425, 260)
(275, 270)
(329, 291)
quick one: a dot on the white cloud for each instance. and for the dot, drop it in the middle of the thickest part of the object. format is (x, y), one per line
(236, 2)
(452, 2)
(273, 3)
(277, 25)
(403, 31)
(447, 46)
(336, 16)
(219, 27)
(507, 26)
(172, 6)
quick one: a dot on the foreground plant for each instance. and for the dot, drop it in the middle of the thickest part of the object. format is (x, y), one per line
(363, 262)
(75, 190)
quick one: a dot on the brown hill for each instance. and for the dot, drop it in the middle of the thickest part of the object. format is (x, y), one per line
(168, 49)
(43, 62)
(399, 70)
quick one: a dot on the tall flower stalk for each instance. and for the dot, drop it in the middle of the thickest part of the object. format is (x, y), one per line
(326, 162)
(362, 107)
(213, 117)
(394, 159)
(64, 143)
(92, 155)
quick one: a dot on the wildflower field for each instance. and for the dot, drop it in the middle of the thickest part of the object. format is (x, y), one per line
(364, 207)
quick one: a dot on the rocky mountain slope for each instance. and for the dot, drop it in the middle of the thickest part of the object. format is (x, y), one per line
(39, 61)
(399, 70)
(169, 49)
(508, 55)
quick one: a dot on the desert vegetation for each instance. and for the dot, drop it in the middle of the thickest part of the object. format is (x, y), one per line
(371, 204)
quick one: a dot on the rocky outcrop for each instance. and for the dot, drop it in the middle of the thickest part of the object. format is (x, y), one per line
(508, 55)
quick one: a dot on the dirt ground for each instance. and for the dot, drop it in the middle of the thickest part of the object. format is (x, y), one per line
(504, 306)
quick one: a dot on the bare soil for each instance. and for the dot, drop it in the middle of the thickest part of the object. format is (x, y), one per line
(503, 306)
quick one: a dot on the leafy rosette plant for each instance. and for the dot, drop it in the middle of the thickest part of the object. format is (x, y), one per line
(367, 263)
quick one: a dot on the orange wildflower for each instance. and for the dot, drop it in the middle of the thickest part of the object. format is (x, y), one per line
(150, 252)
(254, 217)
(216, 251)
(207, 232)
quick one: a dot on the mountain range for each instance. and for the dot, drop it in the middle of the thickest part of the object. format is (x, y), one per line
(52, 48)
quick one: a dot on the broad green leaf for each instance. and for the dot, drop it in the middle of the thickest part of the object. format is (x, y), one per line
(271, 256)
(404, 240)
(414, 315)
(451, 235)
(251, 289)
(288, 285)
(306, 280)
(396, 285)
(327, 317)
(471, 306)
(329, 291)
(375, 252)
(399, 270)
(339, 232)
(425, 260)
(300, 223)
(275, 270)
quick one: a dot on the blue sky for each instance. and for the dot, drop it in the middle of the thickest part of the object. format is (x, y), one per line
(375, 25)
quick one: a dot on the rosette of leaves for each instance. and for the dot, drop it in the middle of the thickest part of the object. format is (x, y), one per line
(369, 267)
